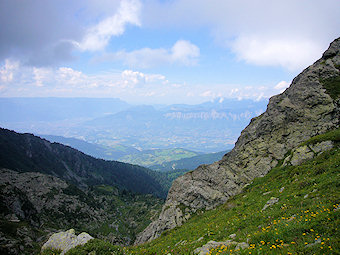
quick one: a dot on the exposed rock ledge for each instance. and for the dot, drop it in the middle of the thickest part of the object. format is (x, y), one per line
(304, 110)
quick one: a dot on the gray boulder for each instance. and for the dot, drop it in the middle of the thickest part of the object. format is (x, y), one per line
(270, 202)
(67, 240)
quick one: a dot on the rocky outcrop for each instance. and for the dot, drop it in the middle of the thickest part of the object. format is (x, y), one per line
(305, 152)
(65, 241)
(310, 106)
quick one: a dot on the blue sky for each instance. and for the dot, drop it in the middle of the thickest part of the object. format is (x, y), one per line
(160, 51)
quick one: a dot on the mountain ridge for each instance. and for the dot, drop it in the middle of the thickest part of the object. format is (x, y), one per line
(26, 152)
(305, 109)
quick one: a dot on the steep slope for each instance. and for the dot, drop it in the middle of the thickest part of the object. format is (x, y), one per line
(303, 217)
(27, 153)
(310, 106)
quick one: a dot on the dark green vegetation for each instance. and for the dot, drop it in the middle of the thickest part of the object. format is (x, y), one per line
(332, 86)
(166, 178)
(189, 163)
(305, 220)
(19, 231)
(25, 152)
(129, 214)
(333, 135)
(124, 214)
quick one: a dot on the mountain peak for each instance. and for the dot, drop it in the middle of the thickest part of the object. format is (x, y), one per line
(333, 50)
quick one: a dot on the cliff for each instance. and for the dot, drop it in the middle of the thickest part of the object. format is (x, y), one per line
(310, 106)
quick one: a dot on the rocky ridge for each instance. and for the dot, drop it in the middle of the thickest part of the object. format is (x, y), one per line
(310, 106)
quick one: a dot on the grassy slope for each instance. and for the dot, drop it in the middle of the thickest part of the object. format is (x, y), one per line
(284, 228)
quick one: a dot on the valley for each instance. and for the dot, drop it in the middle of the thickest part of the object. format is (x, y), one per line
(100, 176)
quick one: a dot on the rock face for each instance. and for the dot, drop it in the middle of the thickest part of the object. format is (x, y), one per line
(67, 240)
(310, 106)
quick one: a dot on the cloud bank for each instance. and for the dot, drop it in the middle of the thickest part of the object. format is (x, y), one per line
(130, 85)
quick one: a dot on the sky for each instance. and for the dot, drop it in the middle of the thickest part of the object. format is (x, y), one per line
(160, 51)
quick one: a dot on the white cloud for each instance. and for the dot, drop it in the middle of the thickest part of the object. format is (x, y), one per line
(41, 75)
(287, 53)
(183, 52)
(98, 37)
(70, 76)
(7, 71)
(133, 79)
(282, 85)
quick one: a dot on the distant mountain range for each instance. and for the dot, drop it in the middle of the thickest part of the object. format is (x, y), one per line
(208, 127)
